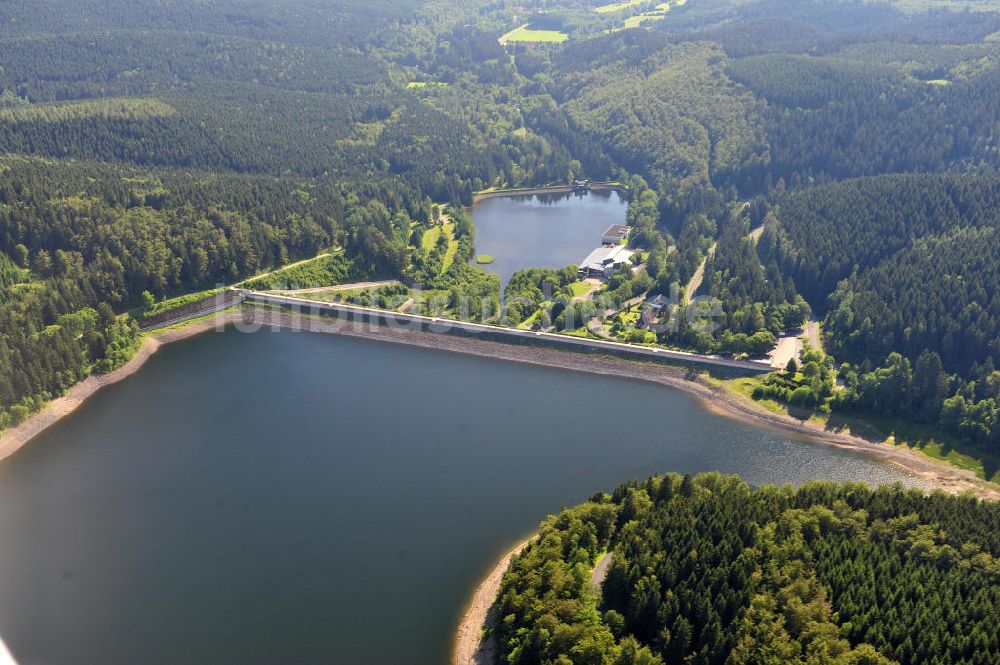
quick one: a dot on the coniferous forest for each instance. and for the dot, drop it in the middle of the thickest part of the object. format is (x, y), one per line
(706, 569)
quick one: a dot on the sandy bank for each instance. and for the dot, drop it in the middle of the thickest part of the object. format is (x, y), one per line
(15, 438)
(470, 646)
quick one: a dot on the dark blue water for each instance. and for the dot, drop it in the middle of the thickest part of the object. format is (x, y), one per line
(545, 231)
(302, 498)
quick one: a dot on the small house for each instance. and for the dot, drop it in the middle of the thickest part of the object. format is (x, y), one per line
(657, 302)
(652, 310)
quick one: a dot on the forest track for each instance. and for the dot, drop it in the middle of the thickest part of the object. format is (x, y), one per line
(336, 287)
(699, 276)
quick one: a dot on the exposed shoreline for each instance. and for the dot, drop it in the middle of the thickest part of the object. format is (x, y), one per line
(933, 472)
(470, 647)
(14, 438)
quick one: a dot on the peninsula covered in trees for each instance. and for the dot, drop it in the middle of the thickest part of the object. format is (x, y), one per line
(706, 569)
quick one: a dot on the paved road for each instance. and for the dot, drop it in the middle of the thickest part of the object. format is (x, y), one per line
(600, 571)
(437, 324)
(786, 349)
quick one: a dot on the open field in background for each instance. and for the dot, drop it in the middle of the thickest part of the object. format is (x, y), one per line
(657, 14)
(617, 6)
(524, 33)
(636, 21)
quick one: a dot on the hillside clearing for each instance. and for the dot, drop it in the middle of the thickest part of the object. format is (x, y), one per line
(525, 33)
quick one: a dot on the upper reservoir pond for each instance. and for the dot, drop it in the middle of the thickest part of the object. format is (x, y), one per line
(543, 230)
(305, 498)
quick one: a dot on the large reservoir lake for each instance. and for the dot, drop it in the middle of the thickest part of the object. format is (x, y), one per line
(306, 498)
(543, 230)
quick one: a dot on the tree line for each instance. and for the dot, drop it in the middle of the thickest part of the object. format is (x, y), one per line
(707, 570)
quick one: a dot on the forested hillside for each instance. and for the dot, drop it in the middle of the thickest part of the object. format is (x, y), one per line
(906, 271)
(839, 117)
(708, 570)
(80, 241)
(821, 235)
(168, 147)
(160, 149)
(764, 102)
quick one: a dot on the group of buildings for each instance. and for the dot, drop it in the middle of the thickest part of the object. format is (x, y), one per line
(606, 259)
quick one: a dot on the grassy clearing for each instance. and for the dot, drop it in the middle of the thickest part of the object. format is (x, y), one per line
(657, 14)
(417, 85)
(331, 296)
(430, 239)
(617, 6)
(636, 21)
(935, 444)
(579, 332)
(449, 254)
(524, 33)
(430, 302)
(180, 326)
(579, 288)
(744, 386)
(530, 321)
